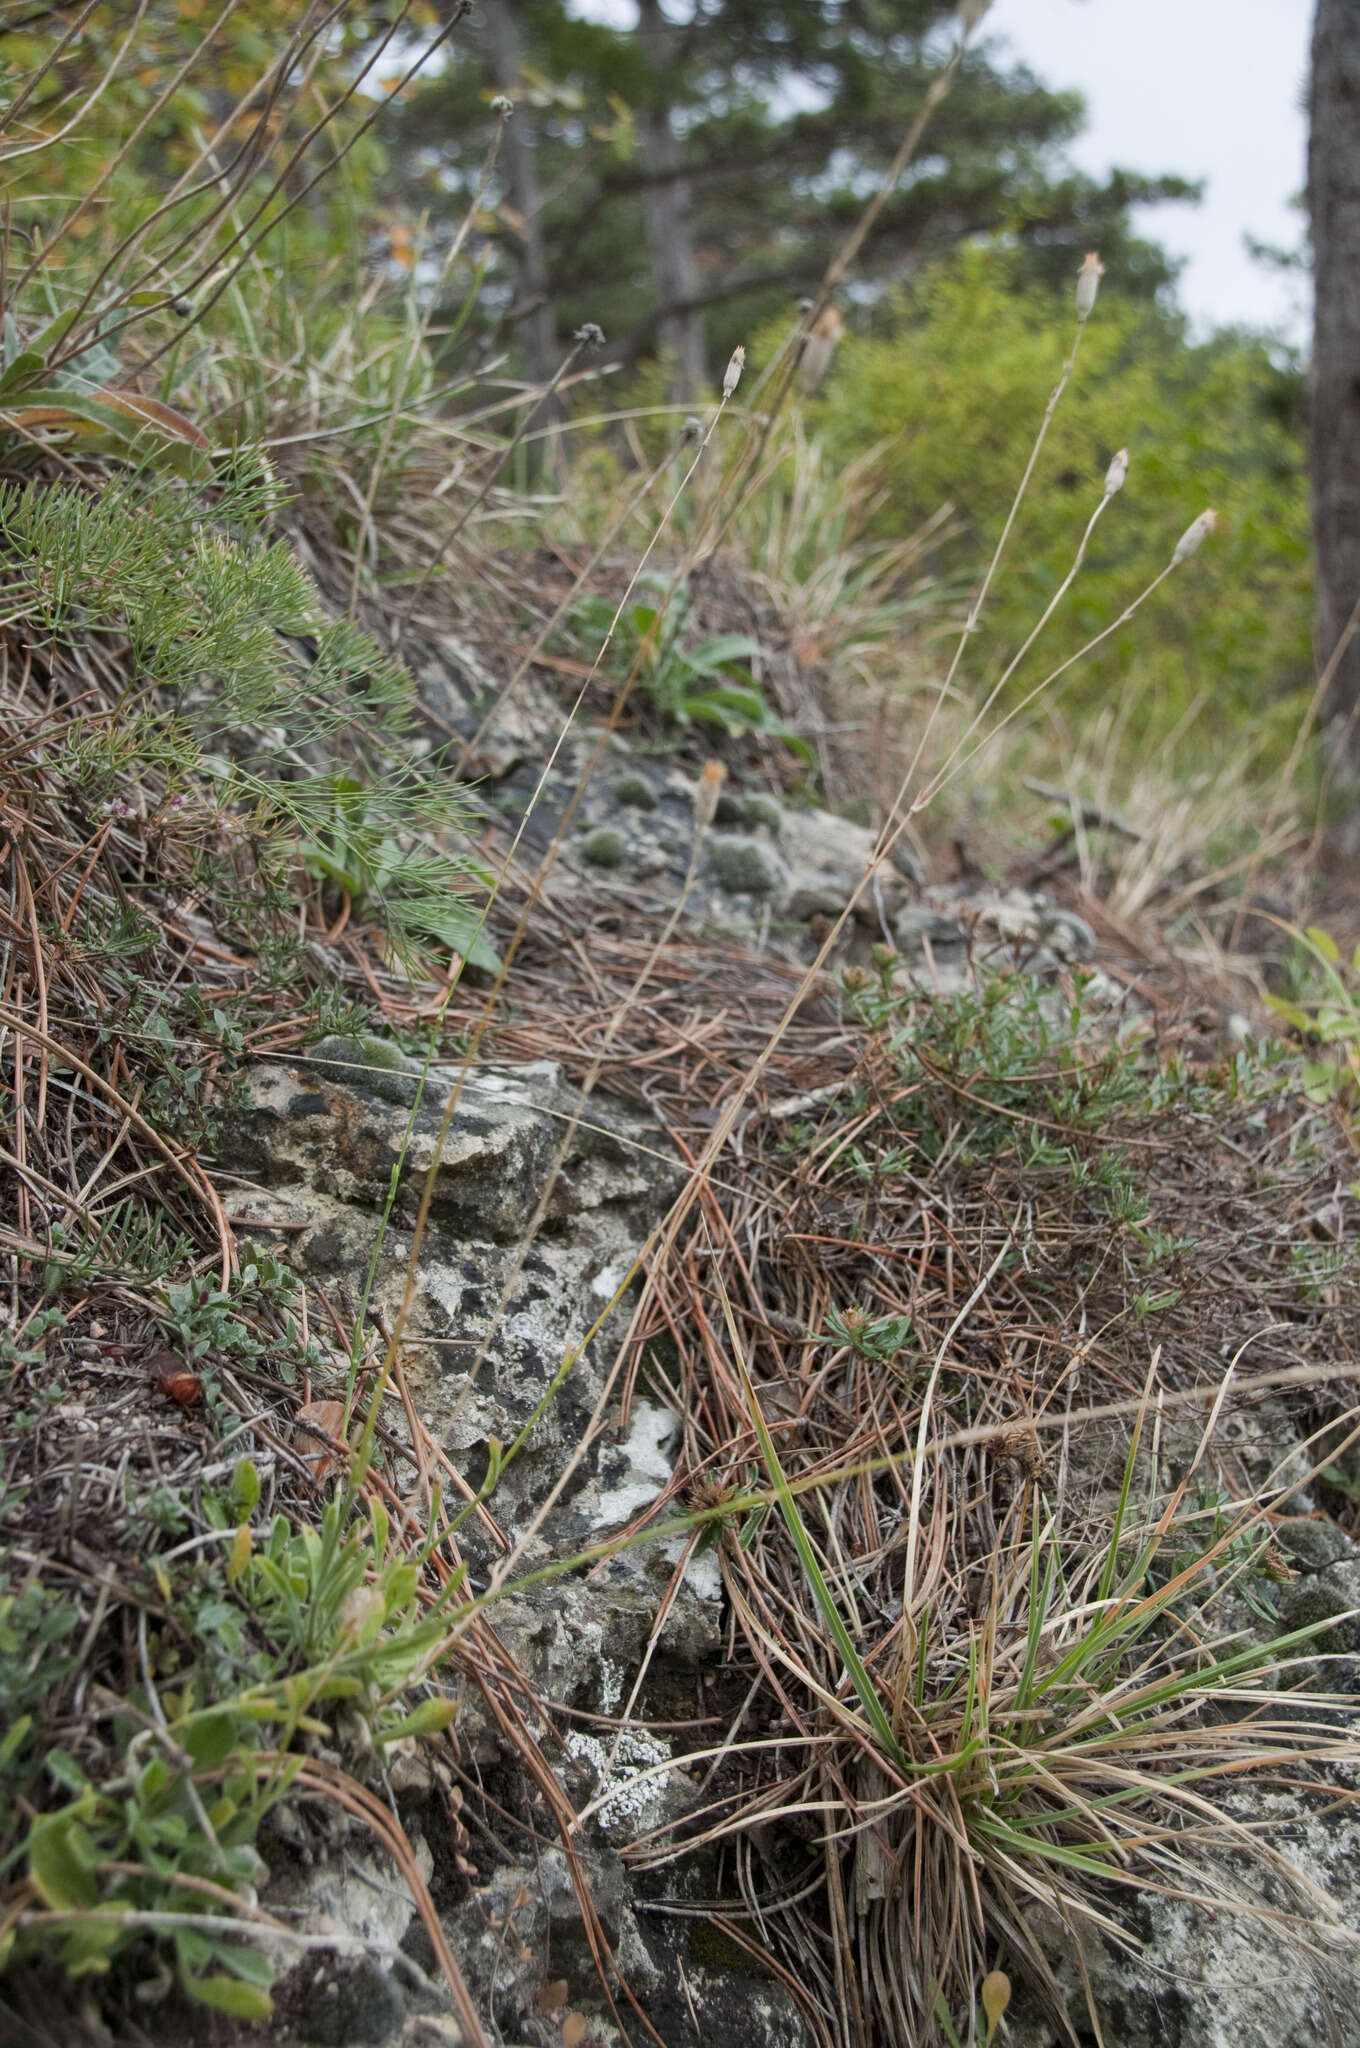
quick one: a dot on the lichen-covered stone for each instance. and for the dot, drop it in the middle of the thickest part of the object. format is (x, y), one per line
(919, 923)
(746, 867)
(369, 1063)
(322, 1153)
(1066, 934)
(828, 858)
(604, 847)
(763, 810)
(635, 790)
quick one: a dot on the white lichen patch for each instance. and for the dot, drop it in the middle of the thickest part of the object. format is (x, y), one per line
(609, 1280)
(643, 1469)
(609, 1686)
(646, 1460)
(627, 1798)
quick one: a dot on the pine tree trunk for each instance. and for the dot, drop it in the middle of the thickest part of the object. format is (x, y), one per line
(535, 318)
(1334, 211)
(674, 269)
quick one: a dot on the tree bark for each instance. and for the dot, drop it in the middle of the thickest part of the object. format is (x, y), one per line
(1334, 431)
(535, 317)
(674, 270)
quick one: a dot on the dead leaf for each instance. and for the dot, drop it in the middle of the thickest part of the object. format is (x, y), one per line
(184, 1387)
(552, 1997)
(150, 412)
(174, 1379)
(574, 2029)
(317, 1420)
(156, 414)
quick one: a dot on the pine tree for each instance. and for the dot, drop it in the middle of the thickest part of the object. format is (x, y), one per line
(705, 168)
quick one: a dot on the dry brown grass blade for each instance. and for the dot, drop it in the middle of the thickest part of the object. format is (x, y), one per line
(188, 1169)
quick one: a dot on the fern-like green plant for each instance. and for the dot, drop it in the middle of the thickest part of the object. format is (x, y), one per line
(235, 674)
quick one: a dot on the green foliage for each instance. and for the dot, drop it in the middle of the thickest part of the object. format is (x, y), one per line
(222, 737)
(119, 122)
(317, 1622)
(706, 684)
(959, 369)
(787, 113)
(882, 1339)
(358, 838)
(128, 1243)
(224, 627)
(1009, 1068)
(1323, 1006)
(1213, 1547)
(35, 1657)
(208, 1324)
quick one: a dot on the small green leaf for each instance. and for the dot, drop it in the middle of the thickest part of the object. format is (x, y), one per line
(245, 1487)
(61, 1860)
(229, 1995)
(429, 1718)
(711, 654)
(21, 371)
(62, 1767)
(13, 1738)
(209, 1737)
(87, 1947)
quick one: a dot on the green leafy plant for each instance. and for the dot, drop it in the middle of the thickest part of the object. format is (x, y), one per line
(358, 841)
(706, 684)
(880, 1338)
(319, 1622)
(1324, 1008)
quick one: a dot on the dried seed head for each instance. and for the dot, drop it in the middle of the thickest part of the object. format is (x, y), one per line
(693, 429)
(819, 349)
(1088, 283)
(1195, 534)
(502, 106)
(996, 1996)
(707, 794)
(970, 14)
(732, 375)
(1116, 473)
(1018, 1446)
(589, 336)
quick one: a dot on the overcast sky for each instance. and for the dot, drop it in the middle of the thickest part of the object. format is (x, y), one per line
(1210, 89)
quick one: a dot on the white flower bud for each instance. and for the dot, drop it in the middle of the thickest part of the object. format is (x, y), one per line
(1116, 473)
(1195, 533)
(732, 375)
(1088, 283)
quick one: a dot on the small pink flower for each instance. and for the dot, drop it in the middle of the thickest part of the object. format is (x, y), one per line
(1195, 534)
